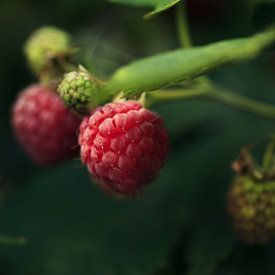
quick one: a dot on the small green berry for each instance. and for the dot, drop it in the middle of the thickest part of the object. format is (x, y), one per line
(78, 90)
(45, 45)
(253, 209)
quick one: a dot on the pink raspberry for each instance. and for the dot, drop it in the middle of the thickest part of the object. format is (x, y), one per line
(44, 126)
(123, 145)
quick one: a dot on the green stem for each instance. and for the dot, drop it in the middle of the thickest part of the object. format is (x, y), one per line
(242, 103)
(182, 26)
(268, 156)
(162, 96)
(214, 93)
(167, 69)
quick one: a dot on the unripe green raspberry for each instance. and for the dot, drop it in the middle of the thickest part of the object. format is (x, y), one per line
(252, 206)
(46, 44)
(78, 89)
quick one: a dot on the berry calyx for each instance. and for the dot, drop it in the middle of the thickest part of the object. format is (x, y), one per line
(123, 146)
(45, 128)
(46, 46)
(78, 90)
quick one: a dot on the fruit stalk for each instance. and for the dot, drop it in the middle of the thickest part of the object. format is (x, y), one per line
(213, 93)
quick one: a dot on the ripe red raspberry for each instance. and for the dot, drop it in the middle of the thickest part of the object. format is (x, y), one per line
(44, 126)
(123, 145)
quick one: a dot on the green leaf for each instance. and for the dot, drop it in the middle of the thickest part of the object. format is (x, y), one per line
(86, 230)
(157, 5)
(211, 239)
(169, 68)
(72, 228)
(162, 6)
(137, 3)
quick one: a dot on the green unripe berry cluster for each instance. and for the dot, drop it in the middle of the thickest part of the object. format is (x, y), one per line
(252, 206)
(77, 89)
(46, 44)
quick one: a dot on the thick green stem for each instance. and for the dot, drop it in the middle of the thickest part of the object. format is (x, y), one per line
(214, 92)
(167, 69)
(173, 67)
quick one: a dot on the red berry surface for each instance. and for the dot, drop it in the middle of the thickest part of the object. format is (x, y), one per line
(46, 129)
(123, 145)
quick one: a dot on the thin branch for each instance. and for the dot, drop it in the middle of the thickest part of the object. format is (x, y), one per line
(215, 93)
(182, 26)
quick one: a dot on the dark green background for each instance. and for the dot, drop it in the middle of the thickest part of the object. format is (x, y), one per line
(180, 225)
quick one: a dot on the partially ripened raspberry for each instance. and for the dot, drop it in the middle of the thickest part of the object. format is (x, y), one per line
(44, 45)
(123, 145)
(77, 90)
(46, 129)
(252, 206)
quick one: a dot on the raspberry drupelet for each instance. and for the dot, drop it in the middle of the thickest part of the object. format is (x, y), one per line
(45, 128)
(123, 145)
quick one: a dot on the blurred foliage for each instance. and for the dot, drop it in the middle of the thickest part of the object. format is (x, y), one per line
(180, 225)
(264, 14)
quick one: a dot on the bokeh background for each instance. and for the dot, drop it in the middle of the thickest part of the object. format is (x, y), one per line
(180, 225)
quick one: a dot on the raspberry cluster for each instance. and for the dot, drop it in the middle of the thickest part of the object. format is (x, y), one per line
(252, 206)
(123, 145)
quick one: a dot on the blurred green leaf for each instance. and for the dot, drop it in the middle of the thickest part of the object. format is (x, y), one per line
(72, 228)
(162, 6)
(264, 14)
(157, 5)
(209, 245)
(84, 228)
(5, 240)
(139, 3)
